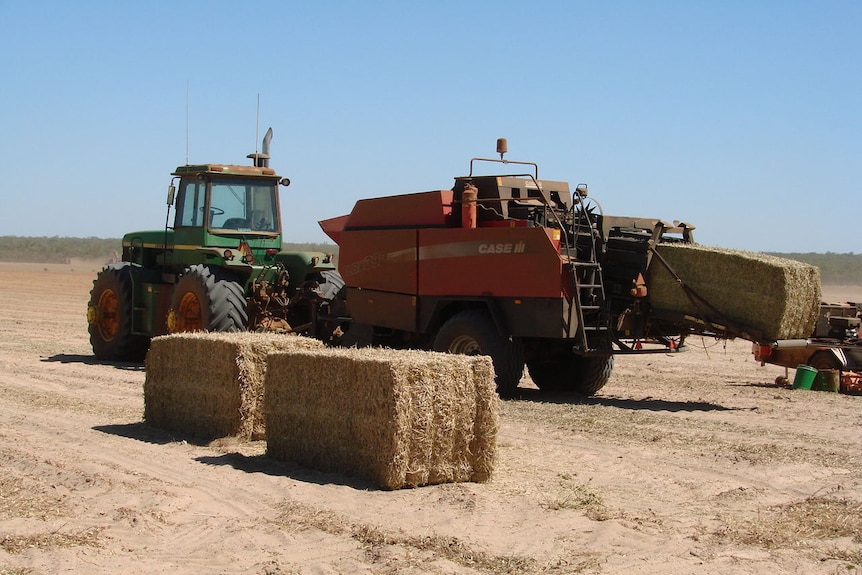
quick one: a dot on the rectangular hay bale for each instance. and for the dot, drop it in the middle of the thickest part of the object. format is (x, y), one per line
(210, 385)
(397, 418)
(777, 296)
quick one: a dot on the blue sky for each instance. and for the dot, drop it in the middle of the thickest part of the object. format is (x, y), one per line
(742, 117)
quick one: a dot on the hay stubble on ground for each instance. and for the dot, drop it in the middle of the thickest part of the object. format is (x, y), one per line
(695, 463)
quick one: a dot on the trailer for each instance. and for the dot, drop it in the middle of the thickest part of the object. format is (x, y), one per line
(834, 344)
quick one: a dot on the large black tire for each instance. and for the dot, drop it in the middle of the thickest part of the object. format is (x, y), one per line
(472, 332)
(206, 299)
(585, 375)
(109, 315)
(594, 373)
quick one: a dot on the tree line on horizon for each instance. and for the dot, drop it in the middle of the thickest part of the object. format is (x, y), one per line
(46, 250)
(835, 268)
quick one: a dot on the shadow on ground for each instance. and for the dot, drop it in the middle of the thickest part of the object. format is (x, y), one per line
(91, 360)
(646, 403)
(140, 431)
(268, 466)
(143, 432)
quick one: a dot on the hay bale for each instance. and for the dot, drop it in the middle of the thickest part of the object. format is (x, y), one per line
(775, 296)
(211, 384)
(396, 418)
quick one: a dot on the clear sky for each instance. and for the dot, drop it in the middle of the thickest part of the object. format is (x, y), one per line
(743, 117)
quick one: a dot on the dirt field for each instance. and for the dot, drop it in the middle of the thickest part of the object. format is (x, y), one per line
(690, 464)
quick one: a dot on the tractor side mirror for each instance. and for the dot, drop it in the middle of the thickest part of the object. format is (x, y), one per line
(172, 190)
(284, 182)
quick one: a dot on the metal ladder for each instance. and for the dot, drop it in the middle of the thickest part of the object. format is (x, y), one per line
(589, 291)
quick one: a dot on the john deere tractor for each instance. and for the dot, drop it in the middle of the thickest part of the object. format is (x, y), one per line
(219, 267)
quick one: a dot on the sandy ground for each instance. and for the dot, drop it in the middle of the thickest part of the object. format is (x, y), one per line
(686, 464)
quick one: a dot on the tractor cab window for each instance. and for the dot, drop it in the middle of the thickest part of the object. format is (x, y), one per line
(243, 205)
(190, 204)
(234, 204)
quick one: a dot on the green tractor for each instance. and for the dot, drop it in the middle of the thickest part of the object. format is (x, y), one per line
(220, 267)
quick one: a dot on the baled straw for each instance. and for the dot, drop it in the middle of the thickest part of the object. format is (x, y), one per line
(210, 385)
(397, 418)
(776, 296)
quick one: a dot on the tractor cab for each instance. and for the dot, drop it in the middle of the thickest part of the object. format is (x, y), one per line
(229, 208)
(224, 200)
(216, 265)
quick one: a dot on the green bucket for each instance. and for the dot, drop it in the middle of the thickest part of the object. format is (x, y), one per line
(828, 380)
(805, 375)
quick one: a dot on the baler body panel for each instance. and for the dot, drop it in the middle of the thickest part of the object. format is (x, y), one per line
(405, 258)
(493, 262)
(379, 260)
(419, 210)
(383, 309)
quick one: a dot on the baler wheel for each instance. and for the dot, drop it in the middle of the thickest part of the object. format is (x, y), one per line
(585, 375)
(825, 360)
(109, 315)
(204, 299)
(472, 332)
(594, 373)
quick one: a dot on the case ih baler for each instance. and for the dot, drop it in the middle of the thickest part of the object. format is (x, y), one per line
(507, 265)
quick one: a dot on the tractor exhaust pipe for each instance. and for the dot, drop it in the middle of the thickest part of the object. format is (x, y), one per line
(267, 138)
(261, 160)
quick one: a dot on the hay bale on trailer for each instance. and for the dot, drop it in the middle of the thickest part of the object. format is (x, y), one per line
(210, 385)
(776, 296)
(397, 418)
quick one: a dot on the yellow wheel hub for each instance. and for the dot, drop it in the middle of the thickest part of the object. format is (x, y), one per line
(187, 316)
(105, 316)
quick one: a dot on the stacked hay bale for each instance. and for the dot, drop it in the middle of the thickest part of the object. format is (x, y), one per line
(396, 418)
(776, 296)
(210, 385)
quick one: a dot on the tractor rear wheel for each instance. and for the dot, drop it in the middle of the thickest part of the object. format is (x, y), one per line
(472, 332)
(205, 299)
(585, 375)
(109, 316)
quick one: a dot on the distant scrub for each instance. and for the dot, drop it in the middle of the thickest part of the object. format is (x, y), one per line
(56, 249)
(60, 249)
(835, 269)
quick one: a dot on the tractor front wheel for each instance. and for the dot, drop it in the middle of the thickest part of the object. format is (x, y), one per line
(109, 316)
(205, 299)
(472, 332)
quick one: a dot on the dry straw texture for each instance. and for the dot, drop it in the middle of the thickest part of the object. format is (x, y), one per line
(210, 385)
(396, 418)
(776, 296)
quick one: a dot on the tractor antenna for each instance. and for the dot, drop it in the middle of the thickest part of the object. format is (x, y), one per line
(260, 159)
(187, 122)
(257, 123)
